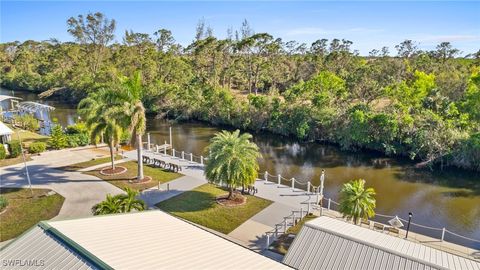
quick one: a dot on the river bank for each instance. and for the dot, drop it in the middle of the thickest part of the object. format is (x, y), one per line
(447, 198)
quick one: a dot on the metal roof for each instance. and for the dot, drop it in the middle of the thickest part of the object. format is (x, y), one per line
(31, 107)
(146, 240)
(4, 130)
(5, 97)
(328, 243)
(38, 249)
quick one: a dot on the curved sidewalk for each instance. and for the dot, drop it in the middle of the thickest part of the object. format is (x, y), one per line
(251, 232)
(81, 191)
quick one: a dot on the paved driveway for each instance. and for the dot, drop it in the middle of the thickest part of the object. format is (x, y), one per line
(80, 191)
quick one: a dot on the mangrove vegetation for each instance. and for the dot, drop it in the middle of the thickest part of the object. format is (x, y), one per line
(403, 101)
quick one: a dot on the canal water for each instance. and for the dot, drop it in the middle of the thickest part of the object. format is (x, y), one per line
(449, 198)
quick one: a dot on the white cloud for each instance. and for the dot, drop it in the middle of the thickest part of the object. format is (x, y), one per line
(320, 31)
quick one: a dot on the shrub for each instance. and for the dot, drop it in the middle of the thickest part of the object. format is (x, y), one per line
(3, 202)
(3, 152)
(125, 137)
(27, 121)
(14, 148)
(37, 147)
(58, 139)
(75, 140)
(77, 128)
(72, 140)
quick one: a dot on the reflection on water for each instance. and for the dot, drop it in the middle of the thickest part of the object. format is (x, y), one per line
(448, 199)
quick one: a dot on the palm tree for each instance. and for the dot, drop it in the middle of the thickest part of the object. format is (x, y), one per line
(130, 202)
(135, 114)
(232, 159)
(356, 201)
(103, 117)
(121, 203)
(110, 205)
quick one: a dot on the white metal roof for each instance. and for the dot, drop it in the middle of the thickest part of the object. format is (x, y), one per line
(4, 130)
(5, 97)
(31, 107)
(38, 249)
(157, 240)
(328, 243)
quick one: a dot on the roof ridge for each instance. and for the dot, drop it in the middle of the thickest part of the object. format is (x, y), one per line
(377, 246)
(81, 251)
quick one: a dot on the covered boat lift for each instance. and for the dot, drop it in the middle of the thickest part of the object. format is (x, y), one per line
(40, 111)
(13, 102)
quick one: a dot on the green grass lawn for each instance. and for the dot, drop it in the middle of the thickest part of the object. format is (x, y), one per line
(23, 211)
(284, 241)
(199, 206)
(28, 137)
(90, 163)
(122, 180)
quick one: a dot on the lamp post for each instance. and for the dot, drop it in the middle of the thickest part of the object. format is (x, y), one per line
(24, 163)
(320, 194)
(408, 225)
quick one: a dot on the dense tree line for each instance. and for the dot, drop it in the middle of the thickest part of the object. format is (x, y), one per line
(420, 104)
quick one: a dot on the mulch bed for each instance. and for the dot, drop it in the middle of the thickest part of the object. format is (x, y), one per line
(238, 199)
(108, 171)
(145, 179)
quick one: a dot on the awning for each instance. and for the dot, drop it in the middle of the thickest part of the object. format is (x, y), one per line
(4, 130)
(32, 107)
(5, 97)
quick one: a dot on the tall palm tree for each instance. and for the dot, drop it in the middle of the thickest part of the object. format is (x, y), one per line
(102, 117)
(130, 202)
(356, 201)
(232, 159)
(135, 114)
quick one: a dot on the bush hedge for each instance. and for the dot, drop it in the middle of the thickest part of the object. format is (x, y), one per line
(3, 152)
(37, 147)
(79, 139)
(77, 128)
(14, 148)
(28, 122)
(58, 139)
(3, 202)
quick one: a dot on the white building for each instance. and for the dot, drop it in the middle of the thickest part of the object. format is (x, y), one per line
(5, 133)
(143, 240)
(328, 243)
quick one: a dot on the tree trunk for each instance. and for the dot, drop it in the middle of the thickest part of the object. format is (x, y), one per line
(139, 157)
(112, 155)
(230, 193)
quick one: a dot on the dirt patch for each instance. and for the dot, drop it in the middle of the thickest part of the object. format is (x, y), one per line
(238, 199)
(146, 179)
(108, 171)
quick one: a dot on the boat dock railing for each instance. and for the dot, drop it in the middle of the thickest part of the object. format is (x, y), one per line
(324, 205)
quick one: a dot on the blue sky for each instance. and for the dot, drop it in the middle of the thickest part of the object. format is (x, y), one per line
(369, 25)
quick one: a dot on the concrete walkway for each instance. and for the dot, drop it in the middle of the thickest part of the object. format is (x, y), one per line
(80, 191)
(91, 168)
(252, 232)
(170, 189)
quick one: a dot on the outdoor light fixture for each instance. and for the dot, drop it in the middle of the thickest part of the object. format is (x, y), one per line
(408, 225)
(320, 192)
